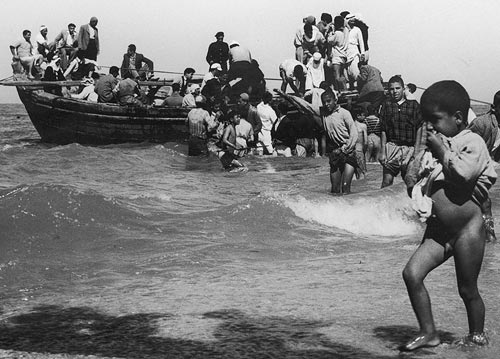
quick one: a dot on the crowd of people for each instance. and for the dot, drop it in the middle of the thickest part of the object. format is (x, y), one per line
(442, 151)
(331, 57)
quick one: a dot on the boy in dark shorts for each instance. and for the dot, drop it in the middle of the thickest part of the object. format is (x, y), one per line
(340, 142)
(399, 121)
(458, 184)
(227, 156)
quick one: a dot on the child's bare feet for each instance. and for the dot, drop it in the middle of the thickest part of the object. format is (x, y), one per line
(422, 341)
(479, 339)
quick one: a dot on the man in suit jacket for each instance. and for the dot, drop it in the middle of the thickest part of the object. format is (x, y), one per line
(135, 65)
(67, 45)
(88, 39)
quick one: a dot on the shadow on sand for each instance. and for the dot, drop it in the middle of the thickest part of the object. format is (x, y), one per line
(85, 331)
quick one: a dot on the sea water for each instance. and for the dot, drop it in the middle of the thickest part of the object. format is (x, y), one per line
(137, 250)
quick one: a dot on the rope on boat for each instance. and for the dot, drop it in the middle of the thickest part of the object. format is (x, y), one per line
(10, 78)
(478, 101)
(201, 75)
(279, 79)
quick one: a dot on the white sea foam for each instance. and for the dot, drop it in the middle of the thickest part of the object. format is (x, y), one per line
(163, 197)
(6, 147)
(385, 216)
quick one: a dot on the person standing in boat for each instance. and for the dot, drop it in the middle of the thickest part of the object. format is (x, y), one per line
(313, 41)
(338, 42)
(370, 85)
(88, 39)
(324, 23)
(315, 71)
(299, 38)
(240, 61)
(199, 124)
(218, 52)
(136, 65)
(355, 48)
(359, 22)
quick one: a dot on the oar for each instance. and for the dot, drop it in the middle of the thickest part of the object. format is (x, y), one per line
(35, 83)
(38, 83)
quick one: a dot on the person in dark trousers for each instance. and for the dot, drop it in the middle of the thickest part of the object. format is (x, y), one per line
(218, 52)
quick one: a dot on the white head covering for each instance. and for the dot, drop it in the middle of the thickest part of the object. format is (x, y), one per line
(192, 88)
(200, 99)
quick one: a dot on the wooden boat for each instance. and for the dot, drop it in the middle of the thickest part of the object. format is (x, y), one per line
(63, 120)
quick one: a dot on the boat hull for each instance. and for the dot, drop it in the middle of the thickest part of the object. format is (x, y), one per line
(61, 120)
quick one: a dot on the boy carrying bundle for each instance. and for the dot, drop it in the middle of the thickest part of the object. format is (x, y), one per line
(460, 174)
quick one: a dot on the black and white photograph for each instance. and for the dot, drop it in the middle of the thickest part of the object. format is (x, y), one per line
(249, 179)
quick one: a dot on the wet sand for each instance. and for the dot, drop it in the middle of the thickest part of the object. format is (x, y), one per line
(337, 305)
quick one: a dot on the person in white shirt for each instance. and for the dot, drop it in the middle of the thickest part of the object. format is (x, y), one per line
(268, 118)
(293, 73)
(240, 60)
(354, 50)
(215, 70)
(42, 44)
(315, 71)
(410, 92)
(299, 37)
(67, 43)
(185, 80)
(88, 92)
(189, 99)
(244, 136)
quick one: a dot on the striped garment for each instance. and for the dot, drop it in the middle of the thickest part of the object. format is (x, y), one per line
(373, 124)
(200, 122)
